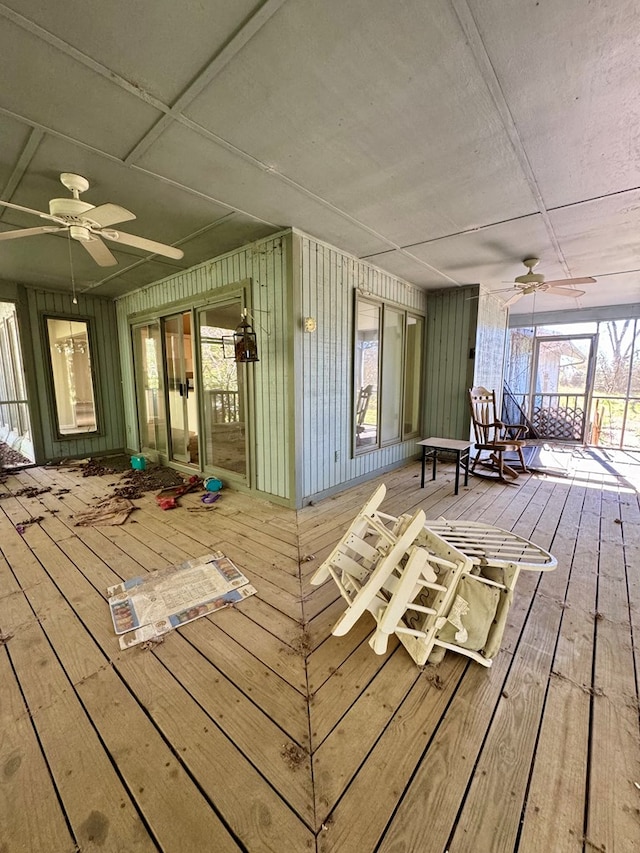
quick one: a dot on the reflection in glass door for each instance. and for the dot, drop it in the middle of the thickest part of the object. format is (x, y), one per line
(147, 342)
(223, 390)
(16, 444)
(181, 389)
(561, 378)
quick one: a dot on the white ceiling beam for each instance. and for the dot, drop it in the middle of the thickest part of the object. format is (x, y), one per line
(219, 61)
(71, 51)
(487, 71)
(28, 152)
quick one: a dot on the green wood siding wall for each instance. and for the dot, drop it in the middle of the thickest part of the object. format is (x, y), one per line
(451, 338)
(32, 305)
(327, 281)
(266, 264)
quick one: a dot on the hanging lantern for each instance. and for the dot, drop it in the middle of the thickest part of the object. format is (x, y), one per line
(245, 343)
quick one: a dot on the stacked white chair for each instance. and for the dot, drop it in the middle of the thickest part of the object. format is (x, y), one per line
(437, 585)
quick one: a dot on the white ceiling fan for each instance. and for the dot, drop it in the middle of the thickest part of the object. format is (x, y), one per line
(88, 224)
(531, 282)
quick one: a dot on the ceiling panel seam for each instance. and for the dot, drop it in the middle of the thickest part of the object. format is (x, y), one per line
(113, 159)
(210, 227)
(28, 152)
(71, 51)
(222, 58)
(246, 32)
(488, 74)
(264, 167)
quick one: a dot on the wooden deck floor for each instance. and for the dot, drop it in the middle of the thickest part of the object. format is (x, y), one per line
(256, 730)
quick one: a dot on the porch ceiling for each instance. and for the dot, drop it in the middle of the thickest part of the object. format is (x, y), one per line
(444, 141)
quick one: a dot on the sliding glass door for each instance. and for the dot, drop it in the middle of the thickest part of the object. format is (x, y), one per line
(192, 395)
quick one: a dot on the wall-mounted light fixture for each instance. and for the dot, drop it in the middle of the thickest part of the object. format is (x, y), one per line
(309, 324)
(245, 343)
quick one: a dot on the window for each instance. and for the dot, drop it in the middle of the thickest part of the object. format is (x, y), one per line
(387, 374)
(73, 381)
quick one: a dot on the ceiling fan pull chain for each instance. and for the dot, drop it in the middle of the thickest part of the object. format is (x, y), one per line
(73, 279)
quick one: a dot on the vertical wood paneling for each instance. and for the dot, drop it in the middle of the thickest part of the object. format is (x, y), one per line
(265, 264)
(450, 333)
(101, 316)
(329, 279)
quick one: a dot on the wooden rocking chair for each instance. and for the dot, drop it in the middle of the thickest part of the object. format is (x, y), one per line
(494, 437)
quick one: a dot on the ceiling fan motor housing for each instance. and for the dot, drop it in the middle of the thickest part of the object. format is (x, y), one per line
(72, 208)
(530, 278)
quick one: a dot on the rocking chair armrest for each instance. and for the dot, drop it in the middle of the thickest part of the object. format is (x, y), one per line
(516, 430)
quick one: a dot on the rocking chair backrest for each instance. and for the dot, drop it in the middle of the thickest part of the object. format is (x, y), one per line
(482, 405)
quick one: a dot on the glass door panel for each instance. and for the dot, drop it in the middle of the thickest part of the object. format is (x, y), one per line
(16, 443)
(561, 379)
(223, 390)
(181, 389)
(152, 421)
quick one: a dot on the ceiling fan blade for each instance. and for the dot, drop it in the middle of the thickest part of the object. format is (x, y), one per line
(512, 299)
(564, 291)
(109, 214)
(28, 232)
(39, 213)
(143, 243)
(99, 252)
(563, 282)
(24, 209)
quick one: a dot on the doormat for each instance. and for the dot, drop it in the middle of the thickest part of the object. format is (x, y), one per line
(145, 608)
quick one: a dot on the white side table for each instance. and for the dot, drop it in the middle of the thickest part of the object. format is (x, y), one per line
(431, 446)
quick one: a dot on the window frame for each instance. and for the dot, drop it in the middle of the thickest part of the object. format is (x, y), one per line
(93, 363)
(384, 306)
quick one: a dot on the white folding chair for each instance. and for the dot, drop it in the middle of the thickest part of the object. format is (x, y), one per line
(497, 556)
(366, 556)
(437, 585)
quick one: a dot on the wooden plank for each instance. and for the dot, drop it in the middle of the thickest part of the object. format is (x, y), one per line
(502, 771)
(554, 814)
(441, 780)
(328, 652)
(615, 748)
(251, 730)
(349, 679)
(31, 812)
(174, 808)
(437, 790)
(359, 818)
(121, 722)
(274, 695)
(336, 760)
(101, 817)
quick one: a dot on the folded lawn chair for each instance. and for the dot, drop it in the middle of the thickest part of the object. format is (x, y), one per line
(437, 585)
(497, 557)
(366, 556)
